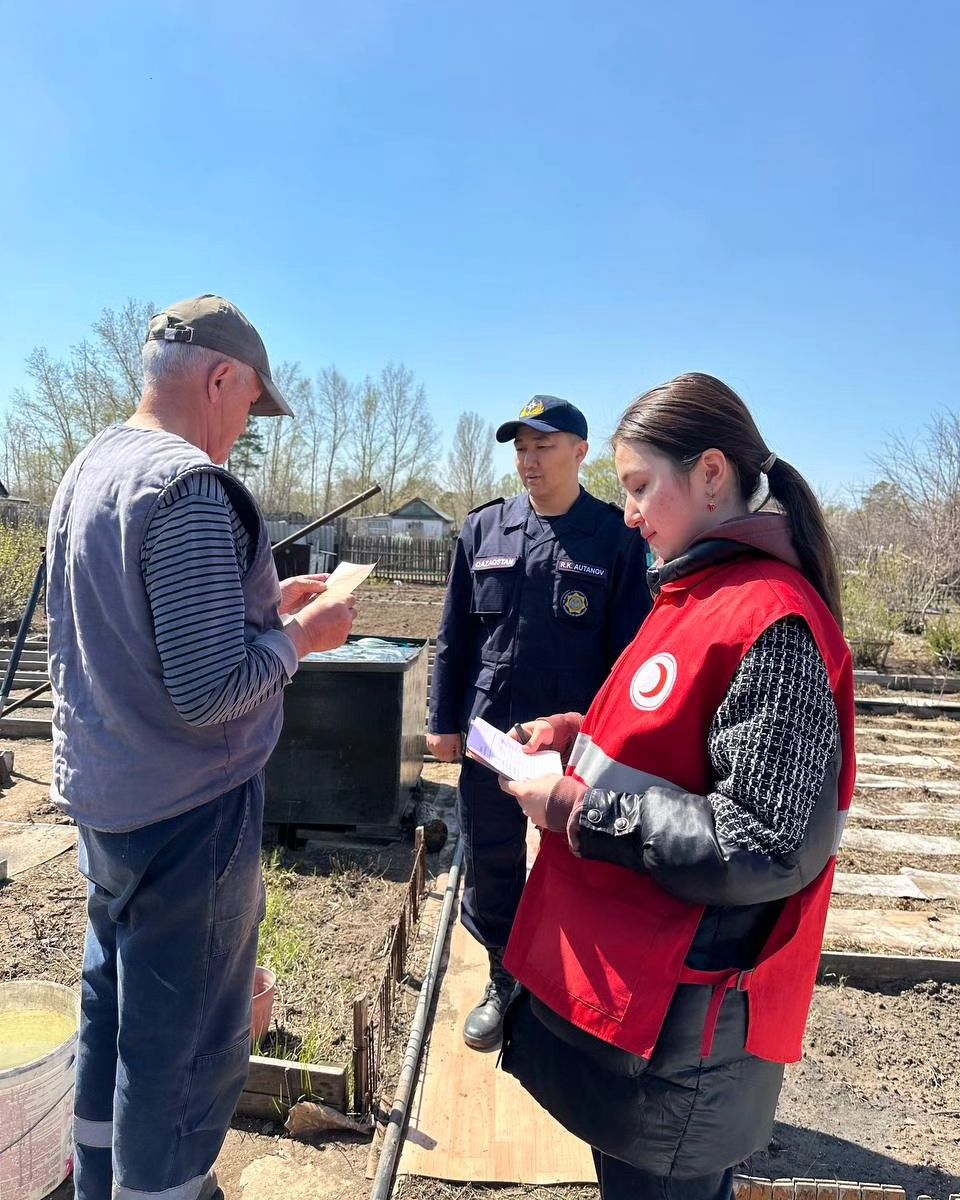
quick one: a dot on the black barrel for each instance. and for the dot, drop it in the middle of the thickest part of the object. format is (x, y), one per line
(351, 750)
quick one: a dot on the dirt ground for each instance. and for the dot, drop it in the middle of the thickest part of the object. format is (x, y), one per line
(398, 609)
(877, 1097)
(339, 906)
(911, 654)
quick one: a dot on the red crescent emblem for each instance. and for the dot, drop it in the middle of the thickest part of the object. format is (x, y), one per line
(662, 668)
(659, 684)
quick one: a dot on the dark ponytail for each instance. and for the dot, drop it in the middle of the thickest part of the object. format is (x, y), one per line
(694, 413)
(808, 532)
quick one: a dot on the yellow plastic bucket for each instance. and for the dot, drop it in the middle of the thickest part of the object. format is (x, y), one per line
(36, 1098)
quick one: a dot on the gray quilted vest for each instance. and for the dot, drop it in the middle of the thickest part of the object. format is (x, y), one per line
(123, 757)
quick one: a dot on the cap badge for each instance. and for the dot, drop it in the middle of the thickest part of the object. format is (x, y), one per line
(574, 603)
(533, 409)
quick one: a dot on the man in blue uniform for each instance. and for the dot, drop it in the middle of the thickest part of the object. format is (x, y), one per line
(546, 590)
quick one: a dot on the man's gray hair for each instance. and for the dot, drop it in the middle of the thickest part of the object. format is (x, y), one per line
(173, 360)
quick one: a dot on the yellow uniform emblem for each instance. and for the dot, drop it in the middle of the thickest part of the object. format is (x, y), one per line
(533, 409)
(575, 603)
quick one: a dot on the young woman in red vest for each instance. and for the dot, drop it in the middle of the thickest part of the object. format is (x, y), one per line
(670, 932)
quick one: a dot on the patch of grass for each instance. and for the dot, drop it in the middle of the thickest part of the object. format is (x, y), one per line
(283, 947)
(324, 936)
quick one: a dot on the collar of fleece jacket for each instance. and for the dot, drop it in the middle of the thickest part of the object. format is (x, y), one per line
(763, 532)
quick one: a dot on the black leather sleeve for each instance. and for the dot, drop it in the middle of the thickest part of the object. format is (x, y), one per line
(767, 827)
(671, 835)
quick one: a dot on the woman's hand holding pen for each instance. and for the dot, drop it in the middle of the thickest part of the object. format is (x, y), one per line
(533, 735)
(532, 794)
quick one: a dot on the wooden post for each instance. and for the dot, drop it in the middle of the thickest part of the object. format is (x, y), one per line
(360, 1072)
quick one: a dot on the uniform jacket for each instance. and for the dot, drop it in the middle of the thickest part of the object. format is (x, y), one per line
(536, 611)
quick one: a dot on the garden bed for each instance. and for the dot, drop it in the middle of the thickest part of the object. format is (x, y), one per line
(326, 935)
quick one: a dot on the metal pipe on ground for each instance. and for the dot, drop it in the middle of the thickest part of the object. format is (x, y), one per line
(25, 699)
(383, 1180)
(327, 517)
(14, 662)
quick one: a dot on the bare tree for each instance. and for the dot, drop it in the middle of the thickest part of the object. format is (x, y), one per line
(121, 336)
(599, 477)
(69, 400)
(365, 444)
(336, 404)
(470, 463)
(922, 491)
(507, 485)
(281, 468)
(345, 436)
(409, 433)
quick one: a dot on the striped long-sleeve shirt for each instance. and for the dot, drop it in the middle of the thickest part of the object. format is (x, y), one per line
(195, 552)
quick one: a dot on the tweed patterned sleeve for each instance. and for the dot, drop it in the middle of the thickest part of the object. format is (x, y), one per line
(771, 742)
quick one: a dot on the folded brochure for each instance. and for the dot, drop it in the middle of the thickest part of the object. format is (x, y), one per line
(502, 754)
(347, 577)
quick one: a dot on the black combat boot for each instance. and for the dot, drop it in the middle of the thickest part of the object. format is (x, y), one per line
(484, 1026)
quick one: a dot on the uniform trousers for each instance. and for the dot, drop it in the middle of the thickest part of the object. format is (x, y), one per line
(494, 830)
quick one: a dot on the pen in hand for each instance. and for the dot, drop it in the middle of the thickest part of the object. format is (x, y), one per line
(522, 736)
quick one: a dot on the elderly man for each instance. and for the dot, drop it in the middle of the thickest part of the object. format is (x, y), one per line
(170, 643)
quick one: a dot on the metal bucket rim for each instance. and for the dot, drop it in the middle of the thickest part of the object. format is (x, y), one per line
(52, 1058)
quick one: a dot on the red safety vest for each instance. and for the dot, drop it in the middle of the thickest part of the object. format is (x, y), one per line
(604, 946)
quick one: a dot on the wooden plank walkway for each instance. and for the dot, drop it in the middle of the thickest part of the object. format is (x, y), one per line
(887, 841)
(896, 931)
(28, 845)
(471, 1122)
(869, 782)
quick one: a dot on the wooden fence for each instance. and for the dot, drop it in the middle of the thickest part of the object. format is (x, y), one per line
(414, 560)
(14, 515)
(372, 1022)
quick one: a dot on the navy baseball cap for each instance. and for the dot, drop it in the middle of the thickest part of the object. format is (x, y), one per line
(549, 414)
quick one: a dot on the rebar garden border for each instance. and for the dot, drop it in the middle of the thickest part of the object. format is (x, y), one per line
(274, 1084)
(373, 1021)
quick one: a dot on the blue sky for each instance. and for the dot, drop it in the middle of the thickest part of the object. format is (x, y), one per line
(582, 199)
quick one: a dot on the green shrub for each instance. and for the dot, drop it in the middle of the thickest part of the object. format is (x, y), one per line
(20, 551)
(866, 612)
(944, 640)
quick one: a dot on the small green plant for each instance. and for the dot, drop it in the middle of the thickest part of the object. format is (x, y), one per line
(284, 949)
(943, 638)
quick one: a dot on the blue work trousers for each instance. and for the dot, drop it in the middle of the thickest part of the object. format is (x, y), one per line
(173, 911)
(494, 829)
